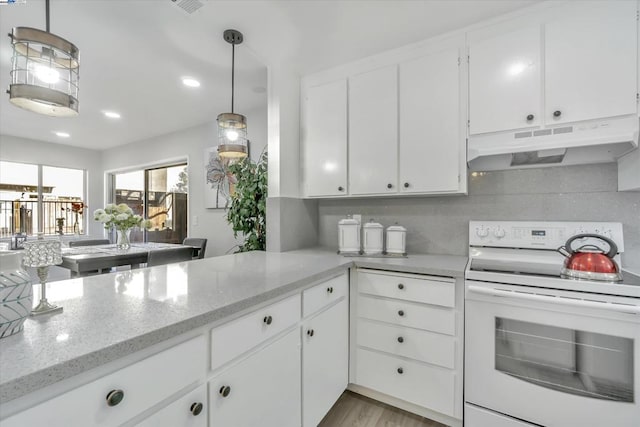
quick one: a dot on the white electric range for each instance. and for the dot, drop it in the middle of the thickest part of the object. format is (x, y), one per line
(541, 349)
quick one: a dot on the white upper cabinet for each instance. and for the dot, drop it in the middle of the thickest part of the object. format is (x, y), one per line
(431, 126)
(324, 135)
(590, 62)
(373, 132)
(505, 81)
(563, 63)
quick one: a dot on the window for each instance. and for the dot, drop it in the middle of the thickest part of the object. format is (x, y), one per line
(159, 194)
(56, 206)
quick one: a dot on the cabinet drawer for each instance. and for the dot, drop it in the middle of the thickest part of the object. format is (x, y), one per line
(404, 313)
(426, 386)
(145, 383)
(183, 412)
(420, 345)
(236, 337)
(440, 291)
(324, 294)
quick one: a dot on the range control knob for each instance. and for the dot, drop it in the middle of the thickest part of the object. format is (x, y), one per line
(499, 233)
(482, 232)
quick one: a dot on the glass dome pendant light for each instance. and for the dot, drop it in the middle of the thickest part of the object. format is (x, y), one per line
(45, 71)
(232, 127)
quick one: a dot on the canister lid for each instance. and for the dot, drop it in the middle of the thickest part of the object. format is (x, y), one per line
(348, 221)
(396, 228)
(372, 224)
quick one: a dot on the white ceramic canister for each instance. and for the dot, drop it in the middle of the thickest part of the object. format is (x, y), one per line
(16, 293)
(349, 236)
(373, 238)
(396, 240)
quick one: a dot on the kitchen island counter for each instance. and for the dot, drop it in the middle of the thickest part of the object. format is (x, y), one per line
(107, 317)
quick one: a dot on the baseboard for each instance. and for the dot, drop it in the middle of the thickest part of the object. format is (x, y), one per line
(405, 406)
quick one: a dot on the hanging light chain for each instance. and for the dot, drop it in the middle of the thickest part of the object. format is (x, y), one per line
(233, 71)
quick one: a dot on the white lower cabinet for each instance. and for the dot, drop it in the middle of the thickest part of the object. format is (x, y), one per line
(261, 390)
(428, 386)
(121, 395)
(325, 361)
(188, 411)
(425, 346)
(407, 343)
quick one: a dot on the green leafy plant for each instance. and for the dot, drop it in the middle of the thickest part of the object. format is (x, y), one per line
(248, 212)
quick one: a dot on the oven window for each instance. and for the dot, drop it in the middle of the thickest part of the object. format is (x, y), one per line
(567, 360)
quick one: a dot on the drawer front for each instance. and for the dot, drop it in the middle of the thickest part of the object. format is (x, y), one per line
(145, 383)
(408, 287)
(322, 295)
(404, 313)
(422, 385)
(183, 412)
(238, 336)
(425, 346)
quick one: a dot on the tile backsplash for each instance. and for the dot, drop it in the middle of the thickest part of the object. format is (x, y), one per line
(439, 225)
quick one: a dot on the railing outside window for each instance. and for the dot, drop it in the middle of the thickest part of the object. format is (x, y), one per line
(20, 216)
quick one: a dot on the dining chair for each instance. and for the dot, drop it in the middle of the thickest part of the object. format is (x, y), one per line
(88, 242)
(168, 256)
(196, 242)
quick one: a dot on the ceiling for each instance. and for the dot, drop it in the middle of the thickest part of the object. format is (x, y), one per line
(134, 52)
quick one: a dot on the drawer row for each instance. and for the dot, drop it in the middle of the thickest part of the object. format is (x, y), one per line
(121, 395)
(258, 327)
(406, 338)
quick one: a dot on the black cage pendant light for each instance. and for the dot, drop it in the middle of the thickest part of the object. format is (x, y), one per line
(45, 70)
(232, 127)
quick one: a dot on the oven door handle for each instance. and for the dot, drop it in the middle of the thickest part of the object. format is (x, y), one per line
(622, 308)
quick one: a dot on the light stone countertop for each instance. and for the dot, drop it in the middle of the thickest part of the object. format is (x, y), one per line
(109, 316)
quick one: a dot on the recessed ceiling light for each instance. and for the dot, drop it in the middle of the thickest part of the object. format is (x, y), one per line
(111, 114)
(190, 81)
(62, 134)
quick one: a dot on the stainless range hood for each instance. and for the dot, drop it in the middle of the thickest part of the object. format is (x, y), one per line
(597, 141)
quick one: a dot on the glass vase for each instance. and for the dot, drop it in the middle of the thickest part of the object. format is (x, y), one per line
(122, 239)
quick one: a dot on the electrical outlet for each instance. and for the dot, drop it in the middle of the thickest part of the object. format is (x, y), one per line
(194, 222)
(358, 217)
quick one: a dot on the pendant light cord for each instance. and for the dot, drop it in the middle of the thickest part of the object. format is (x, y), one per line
(233, 69)
(47, 14)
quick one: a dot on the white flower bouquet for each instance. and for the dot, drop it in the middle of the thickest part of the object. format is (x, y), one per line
(120, 217)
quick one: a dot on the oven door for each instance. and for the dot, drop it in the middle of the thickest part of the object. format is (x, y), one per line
(553, 358)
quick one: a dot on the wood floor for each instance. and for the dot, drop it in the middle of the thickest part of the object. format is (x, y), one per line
(354, 410)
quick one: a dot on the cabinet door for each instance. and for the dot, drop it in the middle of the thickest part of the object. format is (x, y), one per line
(263, 390)
(373, 132)
(188, 411)
(591, 62)
(325, 361)
(325, 140)
(430, 133)
(505, 81)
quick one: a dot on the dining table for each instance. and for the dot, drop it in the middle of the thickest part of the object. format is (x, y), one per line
(84, 260)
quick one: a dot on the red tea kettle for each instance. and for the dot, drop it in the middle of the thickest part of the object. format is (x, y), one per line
(590, 262)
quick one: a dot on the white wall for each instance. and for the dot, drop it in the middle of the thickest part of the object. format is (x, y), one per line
(22, 150)
(190, 144)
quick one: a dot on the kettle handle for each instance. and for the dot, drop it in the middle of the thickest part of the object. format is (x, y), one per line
(613, 248)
